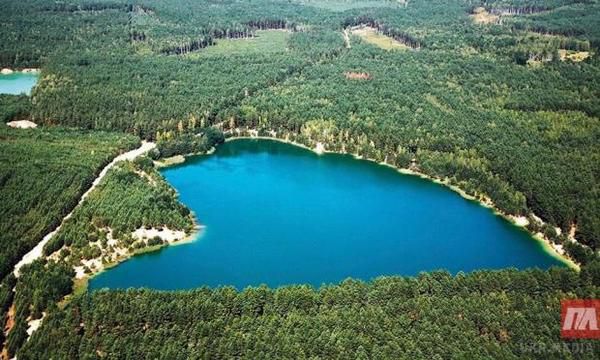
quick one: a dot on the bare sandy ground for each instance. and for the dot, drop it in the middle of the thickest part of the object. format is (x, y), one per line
(33, 325)
(165, 234)
(22, 124)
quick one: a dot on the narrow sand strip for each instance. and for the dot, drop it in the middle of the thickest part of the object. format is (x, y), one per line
(37, 251)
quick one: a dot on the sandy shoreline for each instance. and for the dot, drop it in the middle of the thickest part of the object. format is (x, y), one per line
(8, 71)
(519, 221)
(195, 234)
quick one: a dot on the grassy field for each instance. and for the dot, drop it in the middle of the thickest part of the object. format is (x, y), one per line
(265, 41)
(371, 36)
(482, 16)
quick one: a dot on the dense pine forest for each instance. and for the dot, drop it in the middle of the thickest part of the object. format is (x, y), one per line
(500, 315)
(42, 175)
(496, 97)
(132, 196)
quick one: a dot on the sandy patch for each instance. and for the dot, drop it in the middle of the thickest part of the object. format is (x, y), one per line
(165, 234)
(6, 71)
(482, 16)
(144, 175)
(572, 232)
(94, 265)
(173, 160)
(519, 220)
(351, 75)
(556, 247)
(575, 56)
(33, 325)
(22, 124)
(10, 319)
(320, 148)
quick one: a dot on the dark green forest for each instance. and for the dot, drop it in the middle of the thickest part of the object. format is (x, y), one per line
(506, 109)
(43, 173)
(132, 195)
(500, 315)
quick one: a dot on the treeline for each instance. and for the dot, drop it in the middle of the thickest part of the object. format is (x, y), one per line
(545, 49)
(579, 20)
(86, 6)
(187, 47)
(527, 6)
(43, 172)
(169, 145)
(504, 314)
(392, 32)
(512, 10)
(241, 31)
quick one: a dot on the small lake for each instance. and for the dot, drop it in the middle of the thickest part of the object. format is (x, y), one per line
(17, 83)
(277, 214)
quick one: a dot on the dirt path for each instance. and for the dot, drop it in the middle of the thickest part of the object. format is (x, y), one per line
(347, 39)
(37, 251)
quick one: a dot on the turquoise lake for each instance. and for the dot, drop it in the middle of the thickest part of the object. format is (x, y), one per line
(17, 83)
(277, 214)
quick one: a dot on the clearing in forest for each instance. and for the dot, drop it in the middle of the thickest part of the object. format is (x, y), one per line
(344, 5)
(481, 16)
(372, 36)
(264, 41)
(352, 75)
(575, 56)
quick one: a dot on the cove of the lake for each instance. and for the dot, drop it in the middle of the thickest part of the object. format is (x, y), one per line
(17, 83)
(277, 214)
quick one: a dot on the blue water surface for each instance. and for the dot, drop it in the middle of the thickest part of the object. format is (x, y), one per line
(17, 83)
(277, 214)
